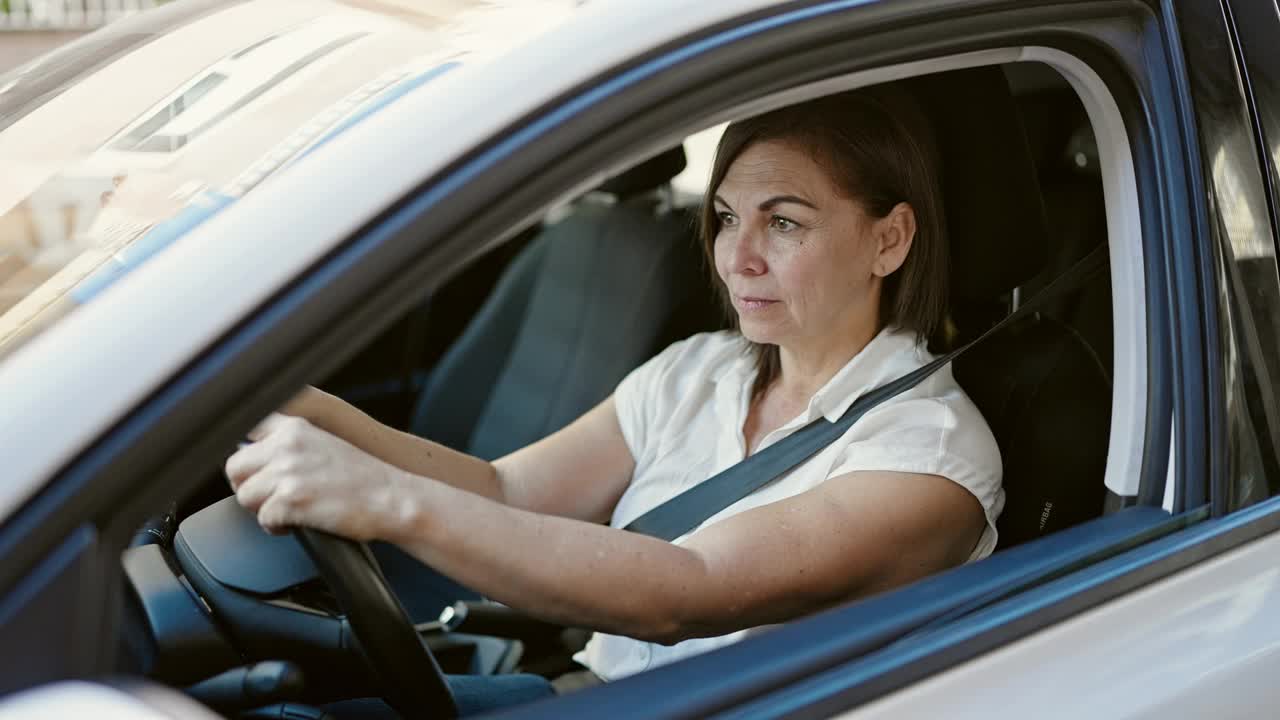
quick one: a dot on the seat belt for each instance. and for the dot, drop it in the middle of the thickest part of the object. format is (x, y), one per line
(691, 508)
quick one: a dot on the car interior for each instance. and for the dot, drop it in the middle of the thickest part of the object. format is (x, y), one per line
(536, 331)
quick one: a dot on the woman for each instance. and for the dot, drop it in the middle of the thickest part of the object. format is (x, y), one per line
(822, 223)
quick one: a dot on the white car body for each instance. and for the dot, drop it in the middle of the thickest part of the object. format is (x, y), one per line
(1197, 640)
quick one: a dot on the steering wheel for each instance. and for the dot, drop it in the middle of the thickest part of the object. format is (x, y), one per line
(412, 680)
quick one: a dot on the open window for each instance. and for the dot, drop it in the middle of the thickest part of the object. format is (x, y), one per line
(545, 324)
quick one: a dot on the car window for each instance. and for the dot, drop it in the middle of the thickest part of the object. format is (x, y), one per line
(116, 149)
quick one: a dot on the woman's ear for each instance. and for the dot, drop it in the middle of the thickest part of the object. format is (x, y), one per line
(894, 233)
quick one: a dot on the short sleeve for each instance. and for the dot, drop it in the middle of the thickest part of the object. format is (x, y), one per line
(639, 397)
(931, 436)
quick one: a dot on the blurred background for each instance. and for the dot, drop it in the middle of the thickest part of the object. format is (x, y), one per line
(31, 27)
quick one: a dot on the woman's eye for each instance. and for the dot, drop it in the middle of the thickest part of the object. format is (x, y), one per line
(727, 218)
(782, 224)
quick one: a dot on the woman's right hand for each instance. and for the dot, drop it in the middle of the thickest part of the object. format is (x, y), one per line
(412, 454)
(296, 474)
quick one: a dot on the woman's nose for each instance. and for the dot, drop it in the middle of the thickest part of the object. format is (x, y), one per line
(745, 256)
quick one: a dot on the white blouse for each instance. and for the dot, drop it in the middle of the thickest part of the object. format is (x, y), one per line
(682, 415)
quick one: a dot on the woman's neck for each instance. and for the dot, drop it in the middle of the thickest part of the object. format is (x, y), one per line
(804, 370)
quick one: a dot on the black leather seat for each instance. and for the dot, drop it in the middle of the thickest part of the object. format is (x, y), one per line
(593, 296)
(1038, 384)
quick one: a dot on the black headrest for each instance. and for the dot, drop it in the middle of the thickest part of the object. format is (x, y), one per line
(994, 215)
(646, 176)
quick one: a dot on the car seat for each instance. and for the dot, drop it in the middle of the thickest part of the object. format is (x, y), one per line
(1038, 383)
(594, 295)
(1066, 156)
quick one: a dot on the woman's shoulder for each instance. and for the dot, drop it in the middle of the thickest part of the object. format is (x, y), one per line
(938, 404)
(687, 365)
(673, 378)
(703, 353)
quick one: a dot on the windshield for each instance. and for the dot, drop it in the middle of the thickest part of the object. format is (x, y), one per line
(119, 144)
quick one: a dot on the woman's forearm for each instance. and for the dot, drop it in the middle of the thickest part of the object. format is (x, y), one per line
(410, 453)
(557, 569)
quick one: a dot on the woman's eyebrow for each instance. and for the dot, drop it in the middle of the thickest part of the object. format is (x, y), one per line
(775, 201)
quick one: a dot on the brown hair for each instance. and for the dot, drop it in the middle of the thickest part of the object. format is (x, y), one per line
(876, 147)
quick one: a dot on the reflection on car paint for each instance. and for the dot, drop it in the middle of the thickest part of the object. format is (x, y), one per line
(208, 203)
(204, 206)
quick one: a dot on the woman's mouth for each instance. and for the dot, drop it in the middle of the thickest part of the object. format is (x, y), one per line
(748, 303)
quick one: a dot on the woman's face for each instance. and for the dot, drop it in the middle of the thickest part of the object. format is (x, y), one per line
(803, 263)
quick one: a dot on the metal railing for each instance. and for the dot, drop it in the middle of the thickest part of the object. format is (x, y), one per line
(66, 14)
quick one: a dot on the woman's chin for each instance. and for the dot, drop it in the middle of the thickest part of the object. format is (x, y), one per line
(760, 333)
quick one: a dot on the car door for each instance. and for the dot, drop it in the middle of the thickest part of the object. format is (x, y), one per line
(59, 549)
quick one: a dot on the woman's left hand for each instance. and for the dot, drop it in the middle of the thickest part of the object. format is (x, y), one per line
(294, 474)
